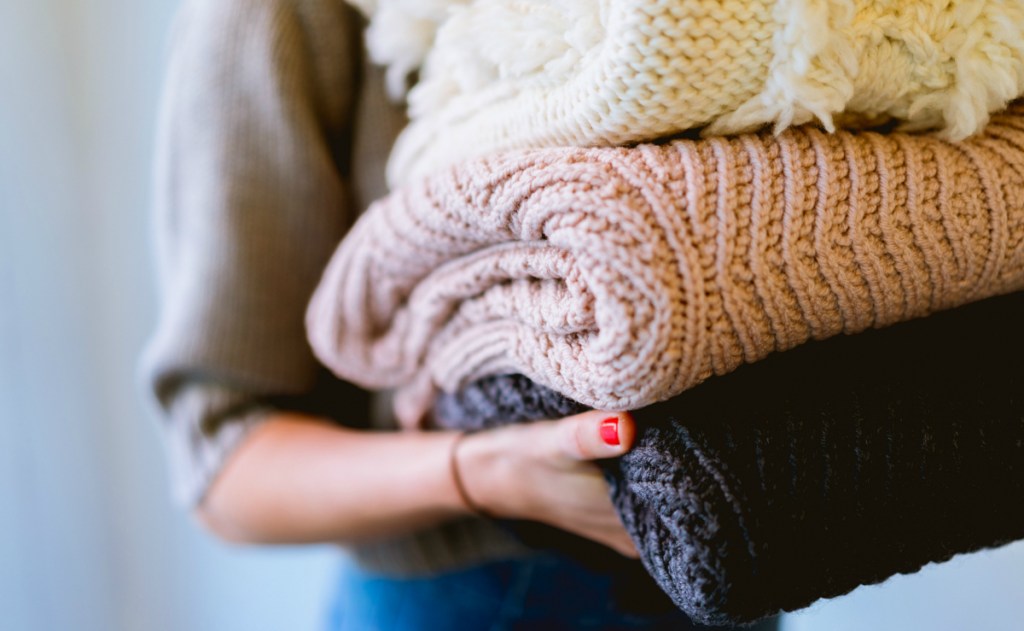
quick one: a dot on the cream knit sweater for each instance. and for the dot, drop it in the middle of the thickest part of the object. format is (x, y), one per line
(507, 74)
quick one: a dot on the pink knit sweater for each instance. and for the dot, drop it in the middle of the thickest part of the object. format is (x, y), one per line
(623, 276)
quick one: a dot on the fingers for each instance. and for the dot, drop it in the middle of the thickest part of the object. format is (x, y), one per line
(594, 435)
(614, 536)
(622, 544)
(556, 482)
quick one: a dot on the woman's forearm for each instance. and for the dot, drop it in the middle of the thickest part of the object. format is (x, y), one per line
(297, 479)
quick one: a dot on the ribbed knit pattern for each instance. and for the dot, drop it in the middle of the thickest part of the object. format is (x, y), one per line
(514, 74)
(834, 465)
(623, 276)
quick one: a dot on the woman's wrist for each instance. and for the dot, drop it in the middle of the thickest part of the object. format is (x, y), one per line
(477, 463)
(458, 480)
(299, 479)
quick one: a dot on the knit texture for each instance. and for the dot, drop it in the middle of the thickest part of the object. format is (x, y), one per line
(837, 464)
(512, 74)
(623, 276)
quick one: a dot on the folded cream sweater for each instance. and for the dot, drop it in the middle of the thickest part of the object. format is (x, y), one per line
(623, 276)
(505, 74)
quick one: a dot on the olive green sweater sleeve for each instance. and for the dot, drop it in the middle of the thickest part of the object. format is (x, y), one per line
(250, 200)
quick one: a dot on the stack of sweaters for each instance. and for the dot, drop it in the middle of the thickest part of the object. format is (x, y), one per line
(545, 271)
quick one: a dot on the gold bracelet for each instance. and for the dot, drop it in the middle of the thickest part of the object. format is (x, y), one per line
(460, 487)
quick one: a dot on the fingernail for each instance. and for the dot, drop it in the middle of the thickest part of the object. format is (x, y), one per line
(610, 431)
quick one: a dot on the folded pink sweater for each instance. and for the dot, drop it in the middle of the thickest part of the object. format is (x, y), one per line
(623, 276)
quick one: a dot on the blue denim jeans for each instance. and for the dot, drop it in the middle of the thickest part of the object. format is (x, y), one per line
(538, 592)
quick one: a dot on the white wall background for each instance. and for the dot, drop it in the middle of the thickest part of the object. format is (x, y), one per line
(88, 538)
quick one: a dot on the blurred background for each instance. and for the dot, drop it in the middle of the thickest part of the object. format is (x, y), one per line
(89, 539)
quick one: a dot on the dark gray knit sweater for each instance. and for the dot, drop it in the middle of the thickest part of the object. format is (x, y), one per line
(837, 464)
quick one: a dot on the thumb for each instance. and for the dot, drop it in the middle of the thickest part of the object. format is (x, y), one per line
(594, 435)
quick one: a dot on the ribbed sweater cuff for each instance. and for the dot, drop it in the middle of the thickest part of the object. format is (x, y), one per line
(202, 428)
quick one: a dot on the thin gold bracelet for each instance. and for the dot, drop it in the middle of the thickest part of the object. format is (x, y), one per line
(460, 486)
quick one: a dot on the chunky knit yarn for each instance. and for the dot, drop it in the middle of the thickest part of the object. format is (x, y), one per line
(623, 276)
(511, 74)
(837, 464)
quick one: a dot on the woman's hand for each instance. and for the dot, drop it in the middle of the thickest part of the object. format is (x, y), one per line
(542, 472)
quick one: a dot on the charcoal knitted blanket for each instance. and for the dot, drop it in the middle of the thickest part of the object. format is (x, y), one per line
(834, 465)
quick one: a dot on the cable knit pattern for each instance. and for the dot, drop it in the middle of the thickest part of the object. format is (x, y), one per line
(621, 277)
(837, 464)
(514, 74)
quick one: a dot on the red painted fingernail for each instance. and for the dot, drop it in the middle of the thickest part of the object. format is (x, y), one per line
(610, 431)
